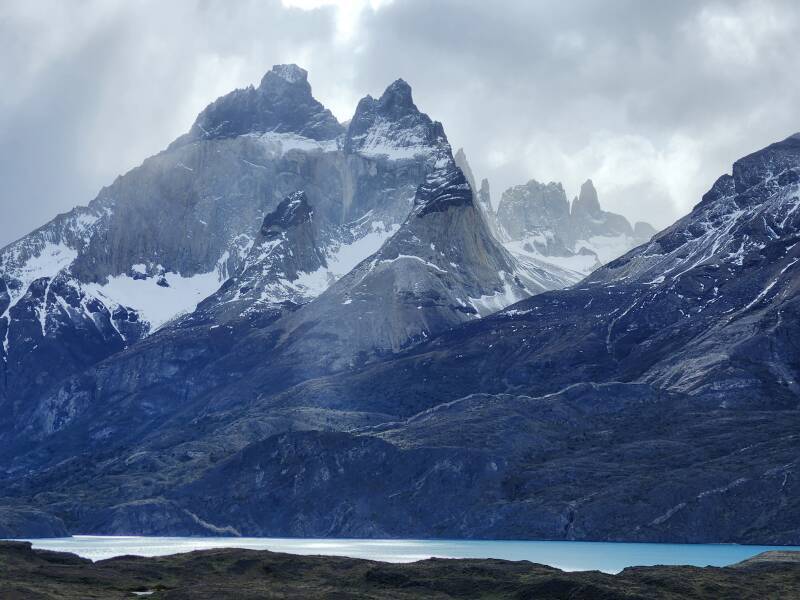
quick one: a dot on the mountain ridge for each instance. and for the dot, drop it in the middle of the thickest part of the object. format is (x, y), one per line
(553, 417)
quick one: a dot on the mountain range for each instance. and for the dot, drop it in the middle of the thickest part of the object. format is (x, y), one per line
(282, 325)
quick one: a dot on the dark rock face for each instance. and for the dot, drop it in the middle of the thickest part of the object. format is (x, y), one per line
(17, 522)
(282, 103)
(563, 466)
(284, 266)
(589, 220)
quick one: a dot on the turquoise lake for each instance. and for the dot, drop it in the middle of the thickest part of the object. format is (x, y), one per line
(569, 556)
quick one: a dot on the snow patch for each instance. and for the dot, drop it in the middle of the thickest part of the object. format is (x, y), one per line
(344, 258)
(157, 304)
(491, 303)
(278, 144)
(386, 139)
(412, 257)
(579, 265)
(52, 258)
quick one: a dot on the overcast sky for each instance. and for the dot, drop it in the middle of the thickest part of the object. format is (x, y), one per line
(652, 100)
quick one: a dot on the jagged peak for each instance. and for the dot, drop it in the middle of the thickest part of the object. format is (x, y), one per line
(445, 188)
(763, 164)
(535, 184)
(587, 201)
(398, 93)
(282, 103)
(394, 127)
(292, 211)
(282, 78)
(395, 103)
(290, 73)
(534, 192)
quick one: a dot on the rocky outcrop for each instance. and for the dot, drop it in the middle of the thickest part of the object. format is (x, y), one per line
(19, 522)
(485, 202)
(285, 265)
(536, 222)
(282, 103)
(539, 211)
(441, 268)
(589, 220)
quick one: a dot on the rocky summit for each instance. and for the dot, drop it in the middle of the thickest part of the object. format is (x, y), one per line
(283, 325)
(537, 223)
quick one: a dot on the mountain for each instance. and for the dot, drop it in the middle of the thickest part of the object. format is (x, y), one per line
(169, 234)
(265, 330)
(390, 173)
(656, 401)
(285, 265)
(282, 105)
(536, 222)
(440, 269)
(356, 372)
(544, 232)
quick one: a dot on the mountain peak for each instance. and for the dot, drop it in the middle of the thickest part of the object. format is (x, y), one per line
(392, 126)
(397, 101)
(766, 164)
(443, 190)
(290, 73)
(282, 103)
(293, 210)
(399, 89)
(281, 77)
(463, 164)
(587, 201)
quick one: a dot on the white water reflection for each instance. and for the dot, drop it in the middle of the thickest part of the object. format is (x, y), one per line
(569, 556)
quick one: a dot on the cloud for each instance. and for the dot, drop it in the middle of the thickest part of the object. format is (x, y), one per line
(651, 100)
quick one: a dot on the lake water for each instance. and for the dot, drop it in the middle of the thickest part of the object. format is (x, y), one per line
(569, 556)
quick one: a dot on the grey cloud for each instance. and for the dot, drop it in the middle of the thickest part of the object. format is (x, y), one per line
(652, 100)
